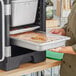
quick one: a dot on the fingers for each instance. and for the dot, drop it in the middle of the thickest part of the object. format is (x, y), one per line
(59, 50)
(52, 31)
(55, 31)
(60, 33)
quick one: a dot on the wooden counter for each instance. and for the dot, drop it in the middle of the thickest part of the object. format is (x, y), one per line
(30, 67)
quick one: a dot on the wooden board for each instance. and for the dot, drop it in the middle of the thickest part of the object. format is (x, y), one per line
(30, 68)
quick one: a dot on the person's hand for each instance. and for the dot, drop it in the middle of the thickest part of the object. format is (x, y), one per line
(58, 31)
(67, 49)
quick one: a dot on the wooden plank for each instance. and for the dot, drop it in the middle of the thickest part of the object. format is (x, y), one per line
(30, 68)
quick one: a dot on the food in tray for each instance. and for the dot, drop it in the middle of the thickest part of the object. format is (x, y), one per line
(38, 38)
(35, 37)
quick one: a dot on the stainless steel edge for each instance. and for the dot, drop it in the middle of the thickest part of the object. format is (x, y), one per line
(8, 9)
(8, 51)
(24, 30)
(3, 32)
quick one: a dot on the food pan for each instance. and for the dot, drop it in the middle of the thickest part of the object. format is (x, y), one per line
(38, 41)
(23, 12)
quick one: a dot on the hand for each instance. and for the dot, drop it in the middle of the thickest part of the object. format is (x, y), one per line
(58, 31)
(67, 49)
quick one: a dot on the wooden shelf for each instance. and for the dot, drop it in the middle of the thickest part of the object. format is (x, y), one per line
(30, 68)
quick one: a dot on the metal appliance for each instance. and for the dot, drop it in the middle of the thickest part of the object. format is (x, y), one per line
(17, 16)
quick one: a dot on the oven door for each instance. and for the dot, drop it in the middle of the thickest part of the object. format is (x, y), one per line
(2, 32)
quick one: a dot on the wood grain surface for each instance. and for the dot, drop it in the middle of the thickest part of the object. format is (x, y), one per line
(30, 68)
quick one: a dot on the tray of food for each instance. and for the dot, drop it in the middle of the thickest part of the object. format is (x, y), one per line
(38, 41)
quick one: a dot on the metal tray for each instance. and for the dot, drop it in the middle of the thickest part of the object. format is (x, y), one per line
(23, 12)
(41, 46)
(24, 30)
